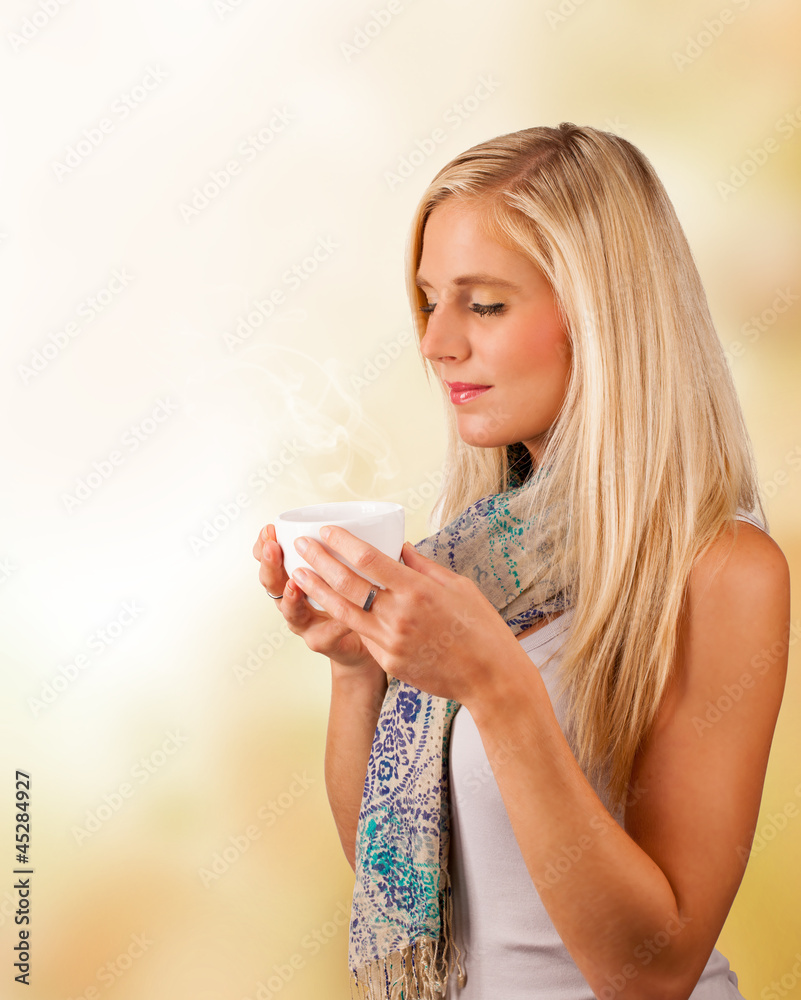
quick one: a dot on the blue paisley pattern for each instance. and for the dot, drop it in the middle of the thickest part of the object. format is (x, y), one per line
(402, 837)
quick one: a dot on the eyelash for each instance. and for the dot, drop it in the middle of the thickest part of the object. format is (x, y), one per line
(481, 310)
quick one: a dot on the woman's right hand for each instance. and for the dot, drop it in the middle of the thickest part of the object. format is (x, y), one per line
(321, 633)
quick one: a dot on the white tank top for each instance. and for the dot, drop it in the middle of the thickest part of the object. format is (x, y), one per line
(510, 947)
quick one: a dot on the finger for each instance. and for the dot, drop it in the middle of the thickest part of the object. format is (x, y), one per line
(272, 574)
(266, 534)
(304, 620)
(340, 578)
(258, 545)
(349, 614)
(364, 557)
(295, 608)
(422, 564)
(275, 553)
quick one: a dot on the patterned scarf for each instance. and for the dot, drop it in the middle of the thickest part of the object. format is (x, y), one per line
(401, 945)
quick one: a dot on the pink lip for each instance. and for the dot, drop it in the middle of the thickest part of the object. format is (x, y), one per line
(463, 392)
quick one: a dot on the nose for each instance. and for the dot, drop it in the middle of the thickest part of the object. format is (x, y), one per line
(443, 341)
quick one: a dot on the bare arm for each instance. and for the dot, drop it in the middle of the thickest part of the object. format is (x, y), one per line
(641, 908)
(356, 698)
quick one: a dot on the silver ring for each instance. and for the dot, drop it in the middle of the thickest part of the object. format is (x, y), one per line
(274, 597)
(369, 601)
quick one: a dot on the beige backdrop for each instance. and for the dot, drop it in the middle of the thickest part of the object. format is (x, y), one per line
(203, 219)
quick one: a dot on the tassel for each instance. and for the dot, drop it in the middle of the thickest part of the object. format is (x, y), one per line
(450, 942)
(417, 972)
(407, 974)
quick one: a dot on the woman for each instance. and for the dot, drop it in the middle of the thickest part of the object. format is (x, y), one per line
(549, 730)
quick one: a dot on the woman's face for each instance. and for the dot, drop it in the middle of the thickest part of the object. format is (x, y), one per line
(519, 348)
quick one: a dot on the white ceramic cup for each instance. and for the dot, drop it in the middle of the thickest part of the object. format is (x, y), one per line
(378, 522)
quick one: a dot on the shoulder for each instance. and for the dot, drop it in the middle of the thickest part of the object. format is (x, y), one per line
(743, 573)
(736, 620)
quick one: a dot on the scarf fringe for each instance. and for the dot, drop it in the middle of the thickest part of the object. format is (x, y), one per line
(418, 971)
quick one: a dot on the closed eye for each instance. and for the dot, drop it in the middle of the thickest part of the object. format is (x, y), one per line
(491, 310)
(477, 307)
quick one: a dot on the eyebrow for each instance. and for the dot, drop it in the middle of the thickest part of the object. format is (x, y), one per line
(472, 279)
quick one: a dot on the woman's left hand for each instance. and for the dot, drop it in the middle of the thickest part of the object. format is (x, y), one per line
(429, 627)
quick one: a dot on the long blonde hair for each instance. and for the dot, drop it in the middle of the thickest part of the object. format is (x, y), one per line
(650, 448)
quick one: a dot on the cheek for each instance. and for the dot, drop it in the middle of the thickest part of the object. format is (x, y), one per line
(535, 349)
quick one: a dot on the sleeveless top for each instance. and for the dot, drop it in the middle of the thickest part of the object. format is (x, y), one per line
(510, 947)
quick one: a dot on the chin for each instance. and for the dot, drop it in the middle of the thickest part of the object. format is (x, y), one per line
(485, 438)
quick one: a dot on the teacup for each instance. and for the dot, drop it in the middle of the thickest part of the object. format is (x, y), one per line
(378, 522)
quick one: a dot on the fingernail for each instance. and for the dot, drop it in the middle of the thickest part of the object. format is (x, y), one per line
(301, 544)
(266, 554)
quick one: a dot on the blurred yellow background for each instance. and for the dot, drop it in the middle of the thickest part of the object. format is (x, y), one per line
(203, 223)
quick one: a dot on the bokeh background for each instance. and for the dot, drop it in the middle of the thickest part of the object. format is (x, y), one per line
(203, 218)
